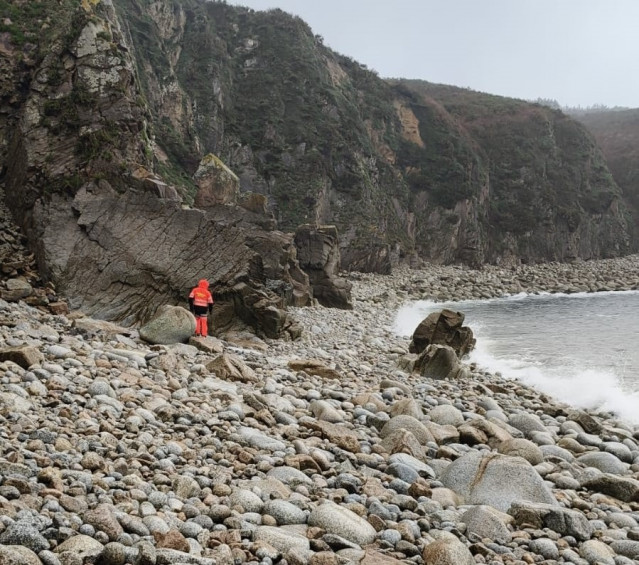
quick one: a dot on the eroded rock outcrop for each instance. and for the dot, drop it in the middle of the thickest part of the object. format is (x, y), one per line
(120, 257)
(443, 328)
(111, 233)
(217, 184)
(319, 256)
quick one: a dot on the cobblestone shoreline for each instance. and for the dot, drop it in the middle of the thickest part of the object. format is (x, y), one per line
(317, 451)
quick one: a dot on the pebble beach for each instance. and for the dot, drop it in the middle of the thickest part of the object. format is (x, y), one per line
(318, 451)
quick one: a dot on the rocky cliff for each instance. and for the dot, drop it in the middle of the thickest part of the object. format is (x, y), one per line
(117, 116)
(617, 133)
(404, 169)
(77, 162)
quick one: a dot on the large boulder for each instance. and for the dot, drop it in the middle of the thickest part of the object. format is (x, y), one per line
(447, 551)
(487, 522)
(339, 520)
(443, 328)
(409, 424)
(604, 461)
(520, 447)
(318, 255)
(496, 480)
(171, 324)
(16, 289)
(623, 488)
(439, 362)
(217, 184)
(564, 521)
(23, 355)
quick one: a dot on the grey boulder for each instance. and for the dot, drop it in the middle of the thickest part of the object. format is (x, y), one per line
(564, 521)
(338, 520)
(496, 480)
(171, 324)
(447, 552)
(486, 522)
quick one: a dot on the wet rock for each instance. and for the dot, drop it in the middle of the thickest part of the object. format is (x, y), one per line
(439, 362)
(443, 328)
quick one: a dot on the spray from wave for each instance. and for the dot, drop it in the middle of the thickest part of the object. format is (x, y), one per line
(585, 379)
(593, 389)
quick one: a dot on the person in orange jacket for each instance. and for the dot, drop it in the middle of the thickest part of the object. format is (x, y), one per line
(201, 304)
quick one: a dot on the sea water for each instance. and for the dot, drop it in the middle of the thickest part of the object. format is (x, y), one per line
(582, 349)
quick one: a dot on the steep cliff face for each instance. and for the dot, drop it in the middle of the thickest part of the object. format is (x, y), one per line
(547, 192)
(114, 237)
(404, 169)
(617, 133)
(107, 115)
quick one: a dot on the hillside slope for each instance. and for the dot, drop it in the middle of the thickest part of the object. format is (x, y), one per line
(617, 133)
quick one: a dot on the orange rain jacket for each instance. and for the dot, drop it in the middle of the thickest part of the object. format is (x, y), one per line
(200, 299)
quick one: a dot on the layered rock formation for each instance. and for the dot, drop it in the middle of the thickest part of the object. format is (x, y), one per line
(318, 255)
(123, 114)
(112, 235)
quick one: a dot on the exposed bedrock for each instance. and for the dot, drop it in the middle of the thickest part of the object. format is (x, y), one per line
(120, 257)
(319, 256)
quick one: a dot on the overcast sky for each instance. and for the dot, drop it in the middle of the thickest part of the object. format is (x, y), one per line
(578, 52)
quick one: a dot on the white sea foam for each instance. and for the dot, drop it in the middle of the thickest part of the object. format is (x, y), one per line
(582, 388)
(572, 350)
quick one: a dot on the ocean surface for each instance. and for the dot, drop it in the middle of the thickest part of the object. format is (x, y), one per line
(582, 349)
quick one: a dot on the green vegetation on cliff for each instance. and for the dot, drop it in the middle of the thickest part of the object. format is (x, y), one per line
(617, 133)
(401, 167)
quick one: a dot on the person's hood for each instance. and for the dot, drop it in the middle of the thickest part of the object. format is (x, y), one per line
(203, 283)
